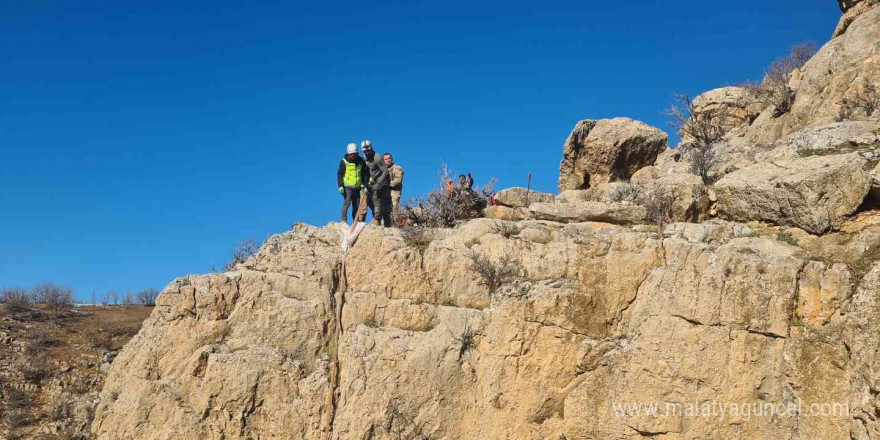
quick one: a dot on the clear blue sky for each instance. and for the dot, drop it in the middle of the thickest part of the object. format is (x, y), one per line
(141, 139)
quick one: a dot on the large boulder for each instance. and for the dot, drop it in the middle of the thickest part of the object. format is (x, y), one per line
(519, 197)
(616, 213)
(813, 193)
(608, 150)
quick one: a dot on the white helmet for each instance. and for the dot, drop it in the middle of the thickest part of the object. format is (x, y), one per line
(366, 145)
(351, 149)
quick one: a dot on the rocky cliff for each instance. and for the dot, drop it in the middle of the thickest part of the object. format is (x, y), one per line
(761, 290)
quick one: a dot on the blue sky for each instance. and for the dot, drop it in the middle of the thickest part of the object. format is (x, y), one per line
(141, 139)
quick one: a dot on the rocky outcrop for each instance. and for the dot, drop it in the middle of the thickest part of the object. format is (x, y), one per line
(519, 197)
(499, 212)
(732, 107)
(616, 213)
(608, 150)
(837, 138)
(304, 342)
(813, 193)
(837, 70)
(852, 9)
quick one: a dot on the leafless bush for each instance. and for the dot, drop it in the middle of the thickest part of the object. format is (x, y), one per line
(774, 90)
(35, 373)
(702, 131)
(866, 100)
(415, 236)
(147, 297)
(446, 204)
(493, 274)
(467, 340)
(241, 252)
(402, 425)
(16, 299)
(56, 297)
(659, 205)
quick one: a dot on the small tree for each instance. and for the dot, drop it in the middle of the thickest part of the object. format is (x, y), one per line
(866, 100)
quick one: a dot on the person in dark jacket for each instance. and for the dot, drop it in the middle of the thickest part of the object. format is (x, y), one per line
(352, 176)
(379, 186)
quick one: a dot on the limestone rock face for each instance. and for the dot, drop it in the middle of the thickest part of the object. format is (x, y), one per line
(608, 150)
(302, 341)
(852, 9)
(837, 138)
(507, 213)
(813, 193)
(519, 197)
(616, 213)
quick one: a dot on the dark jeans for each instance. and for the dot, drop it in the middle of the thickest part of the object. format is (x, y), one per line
(352, 198)
(379, 202)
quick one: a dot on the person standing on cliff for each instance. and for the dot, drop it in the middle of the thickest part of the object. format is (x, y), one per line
(396, 173)
(379, 195)
(351, 177)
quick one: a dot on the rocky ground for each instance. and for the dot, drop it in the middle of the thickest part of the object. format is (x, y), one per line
(53, 364)
(754, 281)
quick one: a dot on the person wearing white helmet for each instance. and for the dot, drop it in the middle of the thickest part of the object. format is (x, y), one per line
(351, 178)
(379, 186)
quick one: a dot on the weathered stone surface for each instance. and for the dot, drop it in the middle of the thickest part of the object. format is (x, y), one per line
(506, 213)
(813, 193)
(517, 197)
(732, 107)
(874, 194)
(614, 192)
(608, 150)
(837, 138)
(690, 196)
(617, 213)
(852, 9)
(301, 341)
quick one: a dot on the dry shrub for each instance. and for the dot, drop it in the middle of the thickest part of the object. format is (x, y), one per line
(402, 425)
(16, 299)
(467, 340)
(703, 132)
(241, 252)
(417, 237)
(493, 274)
(774, 90)
(659, 205)
(865, 101)
(443, 208)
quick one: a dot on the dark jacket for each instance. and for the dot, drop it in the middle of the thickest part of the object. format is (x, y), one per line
(379, 172)
(365, 171)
